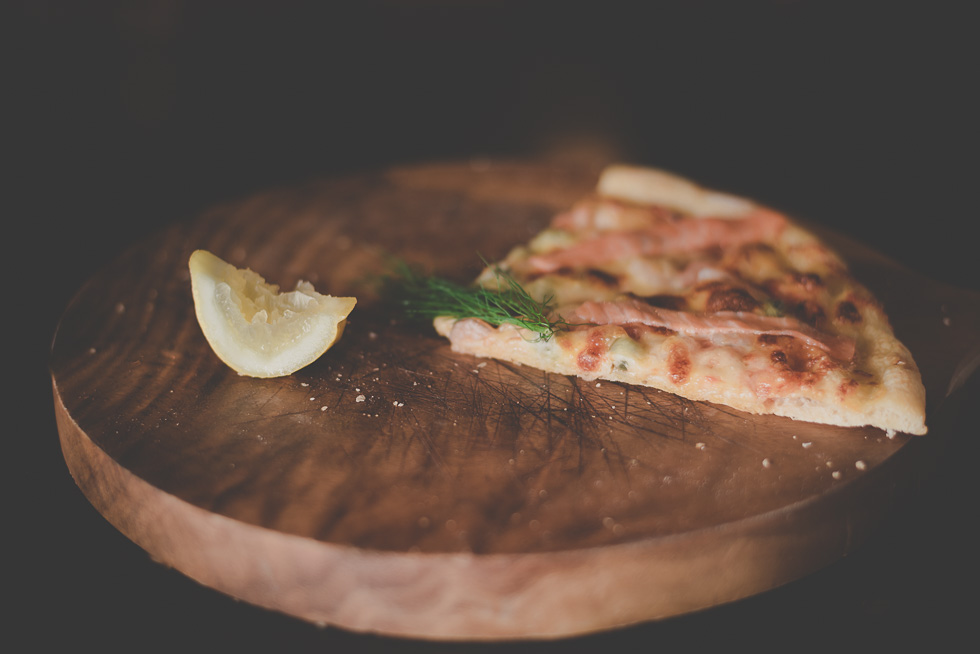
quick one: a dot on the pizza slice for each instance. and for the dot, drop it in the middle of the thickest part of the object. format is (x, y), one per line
(654, 280)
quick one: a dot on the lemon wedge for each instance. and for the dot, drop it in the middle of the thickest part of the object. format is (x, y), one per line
(254, 328)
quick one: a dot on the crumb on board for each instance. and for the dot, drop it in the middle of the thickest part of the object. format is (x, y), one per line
(360, 398)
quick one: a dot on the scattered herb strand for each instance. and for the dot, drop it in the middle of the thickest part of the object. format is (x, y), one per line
(429, 297)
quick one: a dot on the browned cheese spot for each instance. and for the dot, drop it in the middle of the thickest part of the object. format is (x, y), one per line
(663, 301)
(809, 312)
(809, 282)
(603, 278)
(730, 299)
(678, 363)
(636, 330)
(847, 312)
(591, 356)
(846, 387)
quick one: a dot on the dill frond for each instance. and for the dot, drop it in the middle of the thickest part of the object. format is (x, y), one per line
(428, 297)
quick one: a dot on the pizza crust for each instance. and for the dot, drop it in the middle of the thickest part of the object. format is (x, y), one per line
(897, 406)
(658, 187)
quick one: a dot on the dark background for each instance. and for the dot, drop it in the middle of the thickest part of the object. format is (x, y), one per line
(121, 117)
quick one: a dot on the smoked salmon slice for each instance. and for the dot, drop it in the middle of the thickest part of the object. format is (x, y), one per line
(664, 238)
(633, 310)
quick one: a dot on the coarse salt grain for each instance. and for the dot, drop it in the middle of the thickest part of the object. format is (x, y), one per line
(860, 465)
(359, 398)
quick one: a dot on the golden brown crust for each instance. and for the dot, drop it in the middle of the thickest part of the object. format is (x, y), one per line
(658, 187)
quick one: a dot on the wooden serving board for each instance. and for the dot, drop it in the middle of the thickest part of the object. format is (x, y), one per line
(395, 486)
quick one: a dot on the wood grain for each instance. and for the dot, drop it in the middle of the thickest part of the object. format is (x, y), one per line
(398, 487)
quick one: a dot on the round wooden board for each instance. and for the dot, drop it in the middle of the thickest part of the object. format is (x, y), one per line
(397, 487)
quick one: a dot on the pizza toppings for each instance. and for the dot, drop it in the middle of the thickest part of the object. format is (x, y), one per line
(658, 282)
(678, 363)
(598, 213)
(664, 238)
(596, 348)
(507, 302)
(847, 312)
(731, 299)
(632, 310)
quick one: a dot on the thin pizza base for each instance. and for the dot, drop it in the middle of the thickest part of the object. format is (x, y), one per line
(879, 385)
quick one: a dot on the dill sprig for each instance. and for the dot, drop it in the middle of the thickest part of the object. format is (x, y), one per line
(427, 296)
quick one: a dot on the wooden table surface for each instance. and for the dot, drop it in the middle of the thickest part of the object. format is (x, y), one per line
(463, 498)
